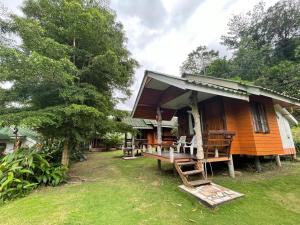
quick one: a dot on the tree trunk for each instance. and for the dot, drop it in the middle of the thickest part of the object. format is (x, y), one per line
(195, 113)
(66, 154)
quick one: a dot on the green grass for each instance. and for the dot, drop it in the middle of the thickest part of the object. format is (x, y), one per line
(132, 192)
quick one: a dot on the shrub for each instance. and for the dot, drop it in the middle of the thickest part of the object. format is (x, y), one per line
(24, 170)
(112, 140)
(297, 145)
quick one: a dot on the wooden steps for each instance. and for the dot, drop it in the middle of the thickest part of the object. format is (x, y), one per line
(189, 163)
(187, 168)
(199, 182)
(191, 172)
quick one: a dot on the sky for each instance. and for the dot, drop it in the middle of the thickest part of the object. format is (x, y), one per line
(161, 33)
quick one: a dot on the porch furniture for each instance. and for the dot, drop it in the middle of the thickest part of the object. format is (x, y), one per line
(179, 143)
(190, 145)
(128, 151)
(217, 144)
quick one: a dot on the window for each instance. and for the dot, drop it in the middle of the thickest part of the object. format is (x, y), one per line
(259, 118)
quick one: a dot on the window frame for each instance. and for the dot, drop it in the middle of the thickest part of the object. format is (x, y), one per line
(259, 118)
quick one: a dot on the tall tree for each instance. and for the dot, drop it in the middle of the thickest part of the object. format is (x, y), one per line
(198, 60)
(278, 26)
(72, 57)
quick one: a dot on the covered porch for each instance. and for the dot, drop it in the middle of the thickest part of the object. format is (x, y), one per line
(201, 119)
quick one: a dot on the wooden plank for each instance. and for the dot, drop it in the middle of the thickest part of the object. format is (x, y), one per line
(218, 159)
(191, 172)
(199, 182)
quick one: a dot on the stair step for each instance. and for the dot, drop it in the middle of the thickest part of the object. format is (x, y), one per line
(190, 163)
(191, 172)
(199, 182)
(182, 160)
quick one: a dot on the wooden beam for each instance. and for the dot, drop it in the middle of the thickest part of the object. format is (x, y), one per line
(169, 94)
(159, 126)
(198, 133)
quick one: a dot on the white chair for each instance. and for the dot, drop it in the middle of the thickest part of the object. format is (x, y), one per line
(191, 145)
(180, 142)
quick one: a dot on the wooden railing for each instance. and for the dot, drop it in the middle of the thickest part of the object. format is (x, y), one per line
(217, 143)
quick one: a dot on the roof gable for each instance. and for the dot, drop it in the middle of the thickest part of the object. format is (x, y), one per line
(157, 89)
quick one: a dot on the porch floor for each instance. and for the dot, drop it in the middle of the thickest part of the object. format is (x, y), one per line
(169, 157)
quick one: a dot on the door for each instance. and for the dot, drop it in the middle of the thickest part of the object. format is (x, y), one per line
(213, 115)
(285, 131)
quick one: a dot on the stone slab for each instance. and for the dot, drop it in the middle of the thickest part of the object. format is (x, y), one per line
(129, 157)
(212, 195)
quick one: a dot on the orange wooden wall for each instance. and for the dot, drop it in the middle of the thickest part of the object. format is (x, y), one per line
(239, 119)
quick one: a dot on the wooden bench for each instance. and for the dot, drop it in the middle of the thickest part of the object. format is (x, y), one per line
(217, 144)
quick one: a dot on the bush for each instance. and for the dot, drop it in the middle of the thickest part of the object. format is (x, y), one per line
(24, 170)
(297, 145)
(112, 140)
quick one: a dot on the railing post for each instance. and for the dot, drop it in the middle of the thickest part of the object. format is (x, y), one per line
(171, 154)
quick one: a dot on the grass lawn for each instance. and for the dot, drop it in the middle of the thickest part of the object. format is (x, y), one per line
(132, 192)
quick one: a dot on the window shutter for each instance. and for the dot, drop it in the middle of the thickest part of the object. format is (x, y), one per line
(259, 118)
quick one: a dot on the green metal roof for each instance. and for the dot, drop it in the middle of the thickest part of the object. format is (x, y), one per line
(147, 124)
(165, 123)
(6, 133)
(242, 88)
(137, 123)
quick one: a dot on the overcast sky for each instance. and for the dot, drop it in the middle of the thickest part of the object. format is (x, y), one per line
(161, 33)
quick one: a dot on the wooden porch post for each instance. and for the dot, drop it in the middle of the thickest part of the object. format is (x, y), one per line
(198, 133)
(159, 125)
(159, 134)
(125, 144)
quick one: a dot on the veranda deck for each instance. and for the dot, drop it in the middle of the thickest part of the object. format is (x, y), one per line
(168, 156)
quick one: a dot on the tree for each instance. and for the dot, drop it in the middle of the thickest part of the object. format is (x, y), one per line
(198, 60)
(284, 78)
(249, 60)
(221, 68)
(4, 25)
(263, 27)
(72, 57)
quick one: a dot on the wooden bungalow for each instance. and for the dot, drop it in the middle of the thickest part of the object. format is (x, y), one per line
(244, 119)
(147, 131)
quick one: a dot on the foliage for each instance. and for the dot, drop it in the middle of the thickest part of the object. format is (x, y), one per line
(63, 75)
(198, 60)
(263, 26)
(296, 137)
(111, 140)
(284, 78)
(221, 68)
(25, 169)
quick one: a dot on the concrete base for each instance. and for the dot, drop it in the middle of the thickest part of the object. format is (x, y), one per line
(211, 195)
(129, 157)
